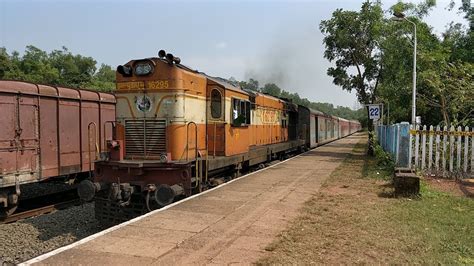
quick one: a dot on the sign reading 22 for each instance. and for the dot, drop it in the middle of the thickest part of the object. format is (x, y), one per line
(374, 111)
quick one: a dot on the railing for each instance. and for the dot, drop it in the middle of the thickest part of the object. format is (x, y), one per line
(432, 150)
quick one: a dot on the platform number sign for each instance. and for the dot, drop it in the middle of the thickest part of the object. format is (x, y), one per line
(374, 112)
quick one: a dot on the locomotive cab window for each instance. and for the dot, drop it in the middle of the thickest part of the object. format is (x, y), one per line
(240, 112)
(216, 104)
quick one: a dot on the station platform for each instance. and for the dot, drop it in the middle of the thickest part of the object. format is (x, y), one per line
(232, 223)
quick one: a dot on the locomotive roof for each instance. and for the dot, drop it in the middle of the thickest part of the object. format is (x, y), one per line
(224, 83)
(256, 93)
(220, 81)
(314, 111)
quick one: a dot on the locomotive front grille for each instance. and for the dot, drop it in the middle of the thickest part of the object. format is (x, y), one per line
(145, 138)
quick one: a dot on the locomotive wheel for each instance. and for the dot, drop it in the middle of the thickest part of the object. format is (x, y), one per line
(5, 212)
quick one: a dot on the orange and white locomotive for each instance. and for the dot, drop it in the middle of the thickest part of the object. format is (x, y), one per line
(176, 129)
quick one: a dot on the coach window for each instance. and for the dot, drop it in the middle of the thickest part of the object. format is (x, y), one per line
(216, 104)
(240, 112)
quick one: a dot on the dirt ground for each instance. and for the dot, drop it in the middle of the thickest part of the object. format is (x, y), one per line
(325, 232)
(455, 187)
(354, 219)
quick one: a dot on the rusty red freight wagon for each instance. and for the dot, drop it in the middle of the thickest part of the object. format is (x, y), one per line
(48, 131)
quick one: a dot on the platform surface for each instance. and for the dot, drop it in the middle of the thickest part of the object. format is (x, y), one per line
(231, 224)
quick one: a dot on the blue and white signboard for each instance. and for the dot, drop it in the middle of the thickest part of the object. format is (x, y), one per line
(374, 111)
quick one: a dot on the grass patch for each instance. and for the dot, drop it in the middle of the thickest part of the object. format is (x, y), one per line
(443, 224)
(354, 219)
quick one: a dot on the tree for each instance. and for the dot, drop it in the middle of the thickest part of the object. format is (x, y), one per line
(252, 84)
(352, 41)
(272, 89)
(442, 63)
(34, 66)
(5, 63)
(450, 88)
(75, 70)
(373, 55)
(103, 79)
(60, 67)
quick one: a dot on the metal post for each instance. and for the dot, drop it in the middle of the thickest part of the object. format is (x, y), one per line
(413, 112)
(401, 17)
(381, 114)
(388, 113)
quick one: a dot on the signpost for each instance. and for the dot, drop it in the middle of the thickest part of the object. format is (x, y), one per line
(374, 111)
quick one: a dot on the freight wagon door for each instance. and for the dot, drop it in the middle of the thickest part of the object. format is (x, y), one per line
(19, 158)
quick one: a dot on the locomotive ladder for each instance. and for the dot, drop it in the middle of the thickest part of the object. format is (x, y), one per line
(198, 160)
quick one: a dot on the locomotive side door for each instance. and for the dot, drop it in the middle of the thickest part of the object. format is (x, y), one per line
(215, 120)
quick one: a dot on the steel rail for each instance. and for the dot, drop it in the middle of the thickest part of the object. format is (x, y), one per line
(39, 211)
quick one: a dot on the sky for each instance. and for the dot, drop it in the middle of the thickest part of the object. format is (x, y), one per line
(272, 41)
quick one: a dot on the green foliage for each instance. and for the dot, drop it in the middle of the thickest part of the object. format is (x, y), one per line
(442, 222)
(420, 10)
(103, 79)
(60, 68)
(252, 85)
(383, 159)
(450, 89)
(351, 40)
(374, 55)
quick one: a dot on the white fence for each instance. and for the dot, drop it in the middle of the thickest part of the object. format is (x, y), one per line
(442, 152)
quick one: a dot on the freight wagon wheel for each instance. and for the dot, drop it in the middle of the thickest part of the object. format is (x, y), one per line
(5, 212)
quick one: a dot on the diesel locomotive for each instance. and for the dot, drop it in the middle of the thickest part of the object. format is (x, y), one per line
(178, 131)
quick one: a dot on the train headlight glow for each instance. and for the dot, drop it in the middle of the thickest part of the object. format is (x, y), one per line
(142, 69)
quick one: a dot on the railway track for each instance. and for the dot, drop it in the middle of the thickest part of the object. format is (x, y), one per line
(42, 205)
(39, 211)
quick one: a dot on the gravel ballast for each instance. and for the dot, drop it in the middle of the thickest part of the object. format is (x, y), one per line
(40, 189)
(32, 237)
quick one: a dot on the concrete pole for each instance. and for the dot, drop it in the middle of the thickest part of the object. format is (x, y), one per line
(413, 111)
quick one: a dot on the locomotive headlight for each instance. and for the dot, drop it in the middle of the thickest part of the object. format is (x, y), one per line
(125, 71)
(142, 69)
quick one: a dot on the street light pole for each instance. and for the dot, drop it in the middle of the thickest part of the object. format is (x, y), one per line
(413, 111)
(401, 17)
